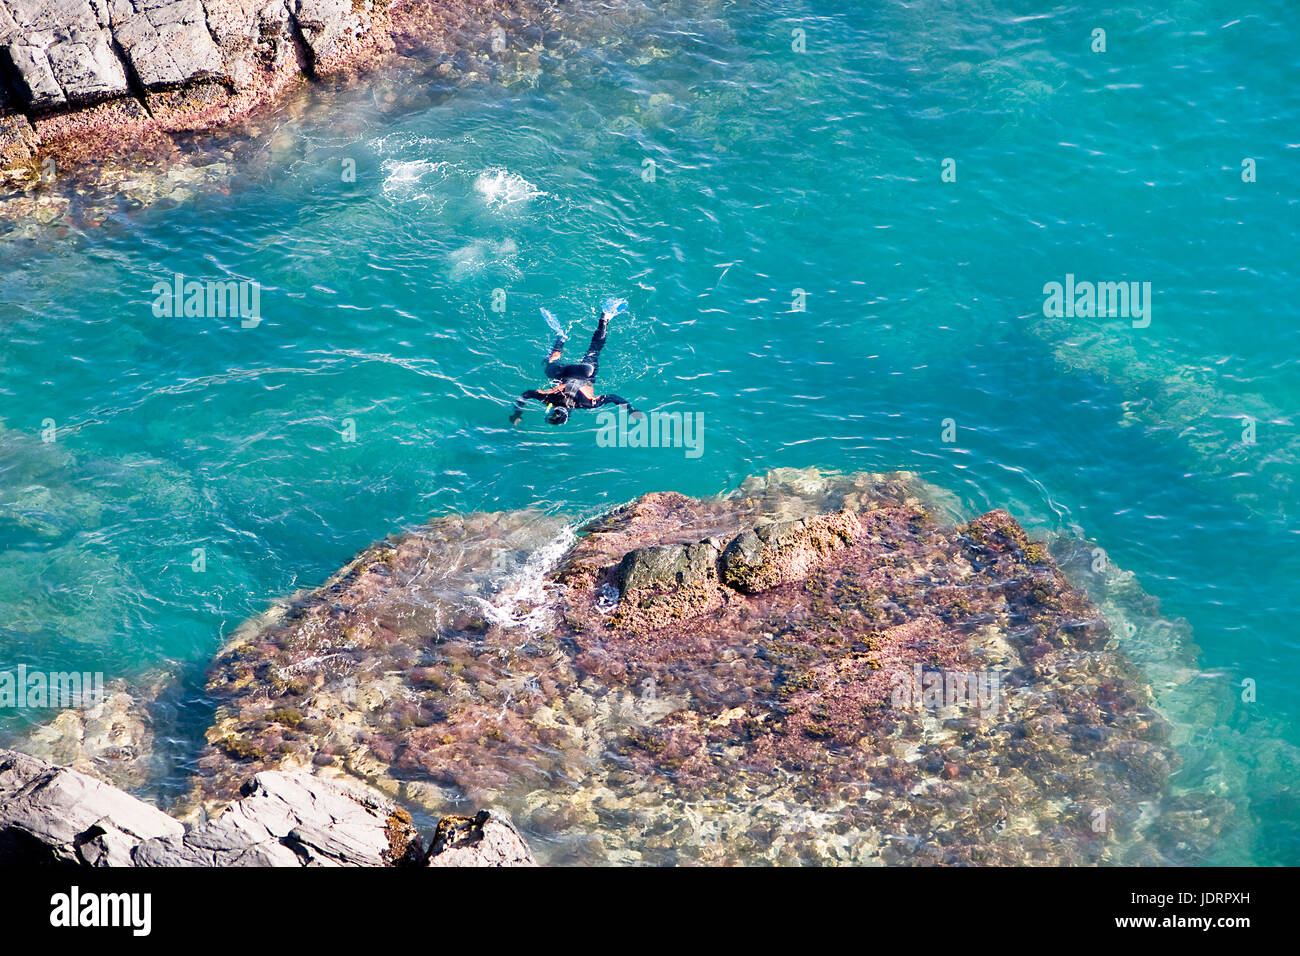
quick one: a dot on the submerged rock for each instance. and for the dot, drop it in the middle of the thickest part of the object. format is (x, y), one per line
(112, 740)
(815, 668)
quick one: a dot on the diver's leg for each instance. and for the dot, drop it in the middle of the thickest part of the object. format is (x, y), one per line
(597, 343)
(553, 363)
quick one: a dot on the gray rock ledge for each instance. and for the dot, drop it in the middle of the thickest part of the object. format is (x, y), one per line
(52, 815)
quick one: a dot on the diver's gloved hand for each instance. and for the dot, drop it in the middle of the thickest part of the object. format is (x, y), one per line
(612, 307)
(515, 416)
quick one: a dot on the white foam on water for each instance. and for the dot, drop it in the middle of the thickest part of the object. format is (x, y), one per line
(476, 257)
(403, 142)
(522, 598)
(499, 187)
(414, 180)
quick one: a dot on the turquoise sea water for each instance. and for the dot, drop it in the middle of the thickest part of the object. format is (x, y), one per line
(775, 171)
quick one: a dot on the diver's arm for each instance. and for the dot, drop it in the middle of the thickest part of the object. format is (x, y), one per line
(522, 401)
(611, 399)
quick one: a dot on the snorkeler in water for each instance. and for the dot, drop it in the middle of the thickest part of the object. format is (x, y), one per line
(575, 383)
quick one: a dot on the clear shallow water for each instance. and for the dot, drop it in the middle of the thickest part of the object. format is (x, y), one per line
(777, 171)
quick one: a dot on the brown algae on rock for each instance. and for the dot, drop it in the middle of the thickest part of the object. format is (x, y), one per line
(813, 669)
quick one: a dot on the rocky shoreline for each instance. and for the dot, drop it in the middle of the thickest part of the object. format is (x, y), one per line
(89, 161)
(761, 677)
(55, 816)
(85, 78)
(85, 83)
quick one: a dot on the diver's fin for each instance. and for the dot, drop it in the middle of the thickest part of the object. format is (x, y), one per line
(553, 322)
(612, 307)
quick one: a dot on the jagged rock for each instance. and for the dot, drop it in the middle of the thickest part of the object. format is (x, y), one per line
(51, 814)
(253, 36)
(784, 551)
(485, 839)
(102, 86)
(326, 25)
(8, 26)
(61, 53)
(34, 76)
(168, 44)
(50, 15)
(668, 582)
(86, 67)
(292, 819)
(65, 53)
(666, 566)
(672, 580)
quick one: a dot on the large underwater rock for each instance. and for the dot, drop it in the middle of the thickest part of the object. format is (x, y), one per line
(815, 668)
(112, 739)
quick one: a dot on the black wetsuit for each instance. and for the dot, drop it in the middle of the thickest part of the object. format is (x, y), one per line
(573, 377)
